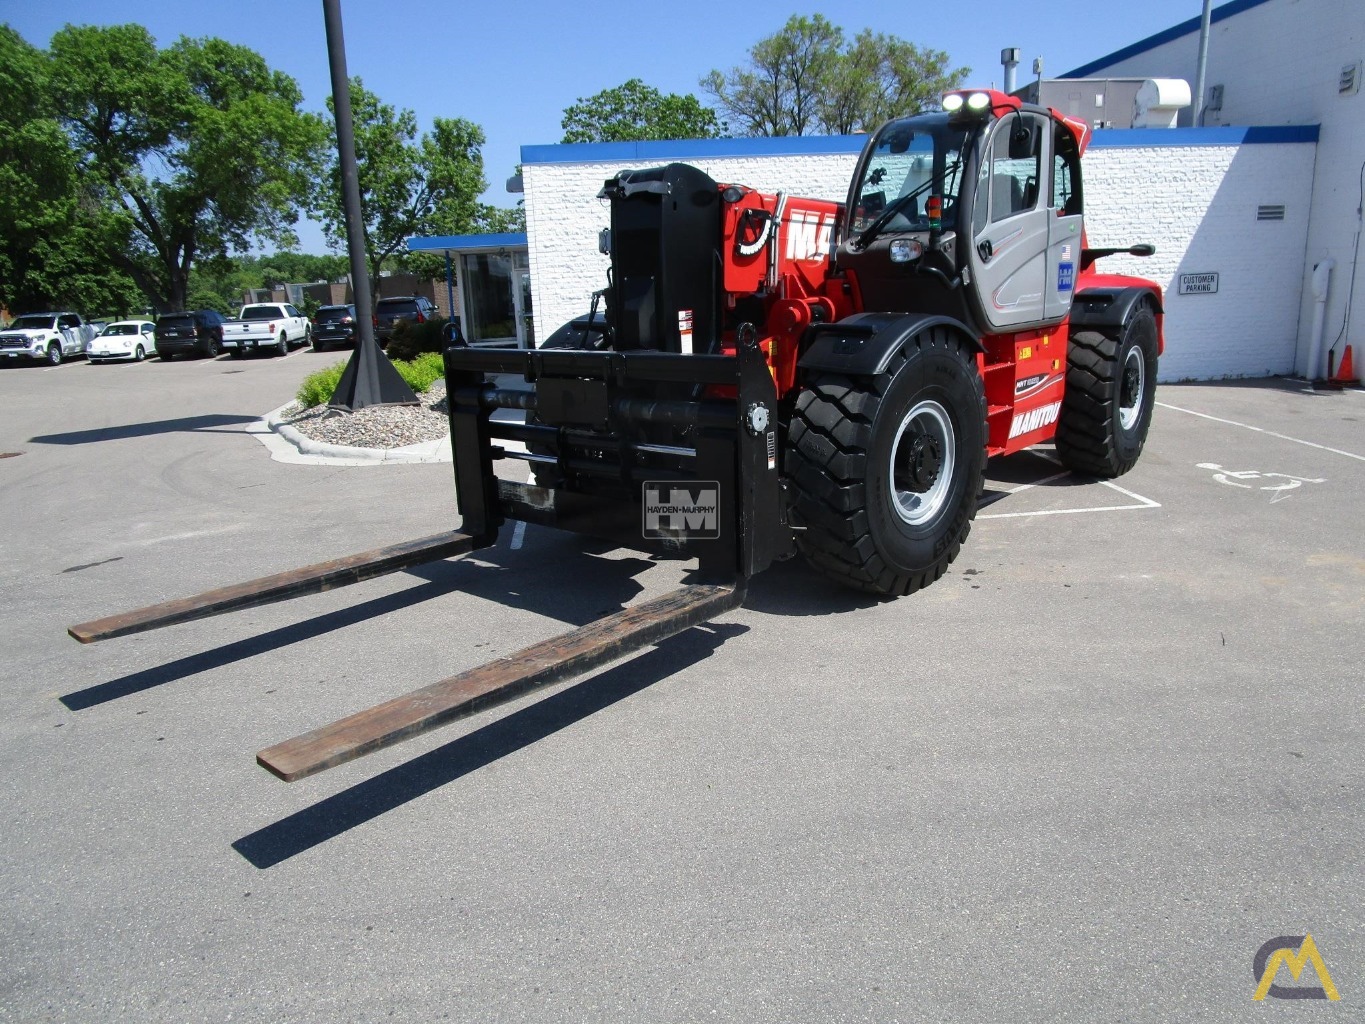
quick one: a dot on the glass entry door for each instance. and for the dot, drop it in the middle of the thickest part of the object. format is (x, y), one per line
(526, 327)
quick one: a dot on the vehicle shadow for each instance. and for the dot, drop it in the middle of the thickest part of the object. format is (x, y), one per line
(592, 587)
(207, 423)
(365, 801)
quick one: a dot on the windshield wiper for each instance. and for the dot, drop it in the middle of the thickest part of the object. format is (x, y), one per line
(875, 228)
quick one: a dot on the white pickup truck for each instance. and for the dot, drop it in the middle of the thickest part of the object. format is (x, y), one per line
(50, 337)
(262, 325)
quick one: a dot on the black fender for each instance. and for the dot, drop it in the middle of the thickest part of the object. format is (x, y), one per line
(1109, 307)
(862, 345)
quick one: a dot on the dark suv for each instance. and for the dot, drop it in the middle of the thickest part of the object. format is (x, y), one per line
(196, 330)
(387, 312)
(334, 325)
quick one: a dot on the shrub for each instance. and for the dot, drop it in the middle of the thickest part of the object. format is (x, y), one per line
(420, 373)
(319, 386)
(412, 339)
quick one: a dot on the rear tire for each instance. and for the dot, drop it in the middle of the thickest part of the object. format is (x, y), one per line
(282, 346)
(1110, 391)
(887, 470)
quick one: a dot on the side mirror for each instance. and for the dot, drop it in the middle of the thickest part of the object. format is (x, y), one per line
(1023, 139)
(1142, 249)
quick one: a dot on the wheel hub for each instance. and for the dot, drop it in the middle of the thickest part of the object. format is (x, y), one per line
(923, 461)
(1131, 385)
(1132, 381)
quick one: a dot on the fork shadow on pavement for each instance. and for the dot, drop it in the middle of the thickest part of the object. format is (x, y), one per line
(338, 814)
(586, 587)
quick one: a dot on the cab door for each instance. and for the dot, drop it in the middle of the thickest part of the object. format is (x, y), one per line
(1064, 224)
(1011, 224)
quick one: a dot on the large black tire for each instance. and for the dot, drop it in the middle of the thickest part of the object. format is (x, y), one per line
(54, 354)
(1110, 392)
(282, 346)
(887, 471)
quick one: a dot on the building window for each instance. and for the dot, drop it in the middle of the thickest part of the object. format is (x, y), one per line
(489, 310)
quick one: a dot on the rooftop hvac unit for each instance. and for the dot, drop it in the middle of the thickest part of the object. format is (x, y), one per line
(1159, 101)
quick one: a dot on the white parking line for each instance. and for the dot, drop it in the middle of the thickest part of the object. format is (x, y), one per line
(1262, 430)
(1142, 502)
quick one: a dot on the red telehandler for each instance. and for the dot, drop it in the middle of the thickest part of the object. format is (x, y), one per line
(768, 375)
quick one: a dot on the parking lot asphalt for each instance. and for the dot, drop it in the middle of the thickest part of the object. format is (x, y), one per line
(1086, 776)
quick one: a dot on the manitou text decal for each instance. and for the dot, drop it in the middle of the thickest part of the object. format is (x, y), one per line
(808, 235)
(1035, 418)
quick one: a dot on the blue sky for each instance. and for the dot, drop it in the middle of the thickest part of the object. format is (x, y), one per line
(512, 68)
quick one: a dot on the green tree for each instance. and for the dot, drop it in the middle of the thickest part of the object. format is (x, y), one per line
(409, 184)
(51, 246)
(634, 112)
(807, 78)
(878, 77)
(780, 92)
(191, 151)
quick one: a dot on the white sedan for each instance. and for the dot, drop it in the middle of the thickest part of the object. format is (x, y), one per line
(126, 339)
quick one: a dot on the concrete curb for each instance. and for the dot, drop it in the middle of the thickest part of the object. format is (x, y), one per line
(271, 430)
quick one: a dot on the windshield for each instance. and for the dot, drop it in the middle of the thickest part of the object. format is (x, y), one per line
(911, 160)
(117, 329)
(33, 323)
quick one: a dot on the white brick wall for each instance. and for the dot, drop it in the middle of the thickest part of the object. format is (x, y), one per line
(1278, 63)
(1196, 203)
(1198, 206)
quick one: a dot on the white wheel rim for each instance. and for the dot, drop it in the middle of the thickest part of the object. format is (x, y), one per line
(928, 423)
(1130, 404)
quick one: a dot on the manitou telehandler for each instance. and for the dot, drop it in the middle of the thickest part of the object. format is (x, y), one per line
(769, 374)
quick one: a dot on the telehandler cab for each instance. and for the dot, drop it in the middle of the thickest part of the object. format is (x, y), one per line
(767, 374)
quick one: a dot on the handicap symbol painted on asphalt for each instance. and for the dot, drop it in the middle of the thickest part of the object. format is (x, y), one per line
(1279, 484)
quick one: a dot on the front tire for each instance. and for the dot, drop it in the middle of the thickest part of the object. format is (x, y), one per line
(1110, 392)
(54, 355)
(888, 469)
(139, 354)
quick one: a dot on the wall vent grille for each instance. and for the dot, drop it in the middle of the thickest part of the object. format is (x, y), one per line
(1349, 82)
(1270, 212)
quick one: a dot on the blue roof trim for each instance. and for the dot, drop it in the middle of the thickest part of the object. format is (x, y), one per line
(691, 149)
(1152, 42)
(1132, 138)
(461, 243)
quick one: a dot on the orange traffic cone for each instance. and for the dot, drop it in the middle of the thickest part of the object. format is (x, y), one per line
(1345, 373)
